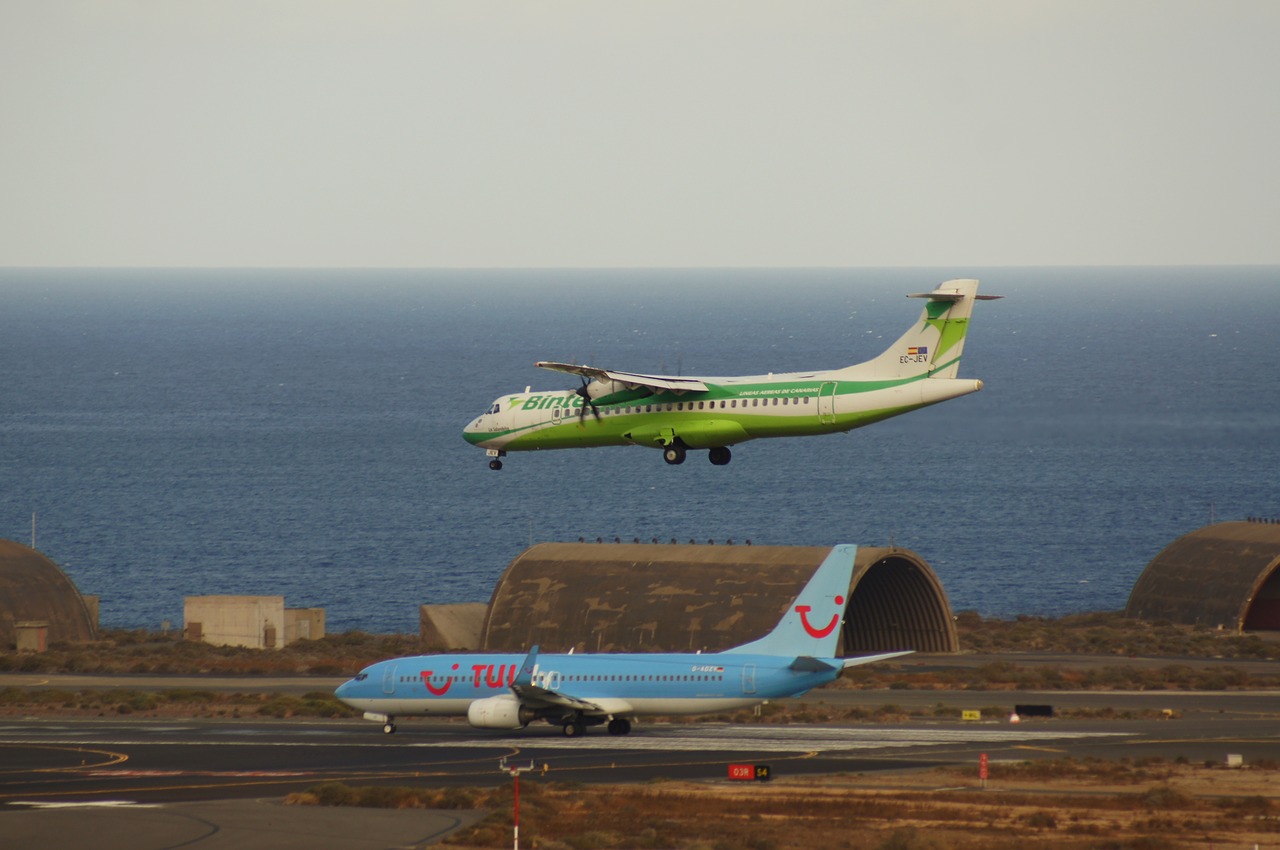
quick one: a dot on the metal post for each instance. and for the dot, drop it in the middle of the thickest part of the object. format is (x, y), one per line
(515, 778)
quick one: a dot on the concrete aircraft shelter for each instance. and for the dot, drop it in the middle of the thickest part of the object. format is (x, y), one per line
(1225, 575)
(638, 597)
(34, 590)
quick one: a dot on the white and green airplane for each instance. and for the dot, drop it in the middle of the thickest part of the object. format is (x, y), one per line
(676, 414)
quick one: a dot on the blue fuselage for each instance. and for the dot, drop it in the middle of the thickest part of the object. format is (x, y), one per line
(646, 683)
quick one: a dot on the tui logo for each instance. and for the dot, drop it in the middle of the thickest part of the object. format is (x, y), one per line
(814, 631)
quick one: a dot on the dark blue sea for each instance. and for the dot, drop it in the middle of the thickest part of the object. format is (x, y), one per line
(298, 432)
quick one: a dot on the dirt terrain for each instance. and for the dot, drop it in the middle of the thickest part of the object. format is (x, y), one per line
(1063, 805)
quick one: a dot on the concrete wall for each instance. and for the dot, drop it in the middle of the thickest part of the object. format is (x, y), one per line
(451, 627)
(303, 624)
(253, 621)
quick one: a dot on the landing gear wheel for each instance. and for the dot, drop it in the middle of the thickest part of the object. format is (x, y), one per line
(388, 728)
(574, 729)
(619, 726)
(495, 464)
(720, 455)
(673, 454)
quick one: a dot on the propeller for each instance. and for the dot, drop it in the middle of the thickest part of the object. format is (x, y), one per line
(587, 401)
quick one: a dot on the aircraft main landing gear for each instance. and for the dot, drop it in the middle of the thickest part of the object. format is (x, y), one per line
(619, 726)
(389, 728)
(673, 454)
(575, 728)
(720, 455)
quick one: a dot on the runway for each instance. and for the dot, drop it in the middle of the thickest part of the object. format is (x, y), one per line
(154, 761)
(146, 784)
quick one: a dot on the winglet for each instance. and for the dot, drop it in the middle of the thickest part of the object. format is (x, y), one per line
(524, 678)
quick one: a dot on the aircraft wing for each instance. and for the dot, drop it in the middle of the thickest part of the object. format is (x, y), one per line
(537, 697)
(631, 379)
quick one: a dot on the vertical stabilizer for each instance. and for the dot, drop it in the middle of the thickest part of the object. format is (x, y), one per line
(933, 345)
(811, 625)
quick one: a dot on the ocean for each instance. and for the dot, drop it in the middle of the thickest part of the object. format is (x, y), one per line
(299, 432)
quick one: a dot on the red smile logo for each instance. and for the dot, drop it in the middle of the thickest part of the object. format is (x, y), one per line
(803, 611)
(440, 690)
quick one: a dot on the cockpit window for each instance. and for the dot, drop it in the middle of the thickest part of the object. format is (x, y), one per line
(495, 409)
(360, 677)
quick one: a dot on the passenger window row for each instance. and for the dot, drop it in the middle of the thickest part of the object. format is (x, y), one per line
(701, 405)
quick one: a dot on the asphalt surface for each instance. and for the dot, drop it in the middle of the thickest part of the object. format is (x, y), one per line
(150, 784)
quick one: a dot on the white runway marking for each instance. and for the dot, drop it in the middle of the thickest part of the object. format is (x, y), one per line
(709, 738)
(779, 739)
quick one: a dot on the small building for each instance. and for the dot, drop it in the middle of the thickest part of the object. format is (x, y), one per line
(259, 622)
(1225, 576)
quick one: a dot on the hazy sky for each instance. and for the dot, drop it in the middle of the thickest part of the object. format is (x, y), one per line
(620, 133)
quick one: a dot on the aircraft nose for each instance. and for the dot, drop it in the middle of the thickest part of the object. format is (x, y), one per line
(344, 690)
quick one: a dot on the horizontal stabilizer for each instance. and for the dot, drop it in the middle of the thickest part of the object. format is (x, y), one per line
(870, 659)
(952, 296)
(809, 664)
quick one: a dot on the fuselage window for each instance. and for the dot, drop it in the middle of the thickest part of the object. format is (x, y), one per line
(784, 401)
(700, 404)
(755, 402)
(735, 403)
(775, 402)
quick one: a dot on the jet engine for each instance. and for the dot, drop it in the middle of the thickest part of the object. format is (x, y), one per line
(500, 712)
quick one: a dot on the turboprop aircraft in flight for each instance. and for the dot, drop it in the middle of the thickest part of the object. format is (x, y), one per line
(509, 691)
(675, 414)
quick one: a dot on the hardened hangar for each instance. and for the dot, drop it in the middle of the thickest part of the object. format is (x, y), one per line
(644, 597)
(1225, 575)
(39, 604)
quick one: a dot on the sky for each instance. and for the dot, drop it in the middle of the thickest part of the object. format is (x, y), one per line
(616, 133)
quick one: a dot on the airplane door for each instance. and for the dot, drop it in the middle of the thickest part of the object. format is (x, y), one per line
(555, 415)
(827, 403)
(748, 678)
(389, 679)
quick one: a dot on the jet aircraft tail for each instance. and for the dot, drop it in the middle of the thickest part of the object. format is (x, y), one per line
(933, 345)
(811, 625)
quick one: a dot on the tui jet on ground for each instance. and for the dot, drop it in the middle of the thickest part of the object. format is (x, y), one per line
(508, 691)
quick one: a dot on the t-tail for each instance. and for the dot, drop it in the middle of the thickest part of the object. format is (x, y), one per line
(811, 625)
(933, 345)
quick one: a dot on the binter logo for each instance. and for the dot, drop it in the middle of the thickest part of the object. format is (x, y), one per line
(813, 631)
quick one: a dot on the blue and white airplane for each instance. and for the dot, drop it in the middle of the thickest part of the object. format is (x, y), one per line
(509, 691)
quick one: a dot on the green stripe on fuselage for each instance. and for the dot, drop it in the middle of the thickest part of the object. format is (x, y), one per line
(759, 408)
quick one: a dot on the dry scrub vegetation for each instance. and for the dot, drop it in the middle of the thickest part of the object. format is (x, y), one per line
(142, 652)
(1055, 805)
(1107, 634)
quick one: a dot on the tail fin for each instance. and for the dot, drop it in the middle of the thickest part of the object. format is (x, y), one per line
(933, 345)
(811, 625)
